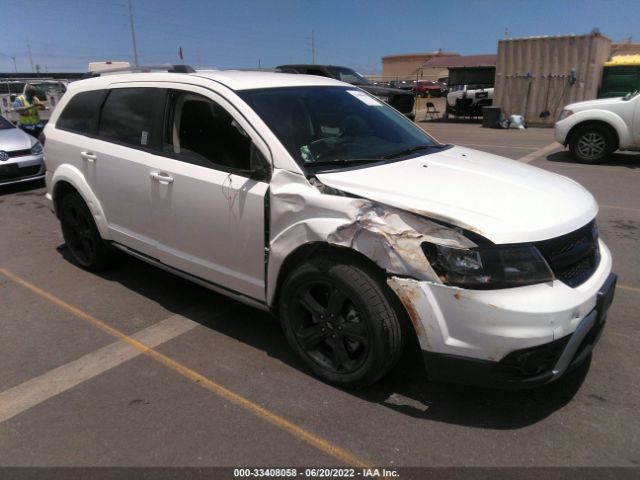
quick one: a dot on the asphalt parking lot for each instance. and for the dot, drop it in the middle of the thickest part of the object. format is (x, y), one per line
(136, 367)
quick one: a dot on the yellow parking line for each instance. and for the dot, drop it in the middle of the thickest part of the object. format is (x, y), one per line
(631, 289)
(274, 419)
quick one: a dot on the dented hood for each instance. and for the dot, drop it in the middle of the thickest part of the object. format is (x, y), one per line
(504, 200)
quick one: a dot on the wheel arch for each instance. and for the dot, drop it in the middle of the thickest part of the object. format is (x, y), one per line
(618, 138)
(319, 248)
(67, 179)
(307, 250)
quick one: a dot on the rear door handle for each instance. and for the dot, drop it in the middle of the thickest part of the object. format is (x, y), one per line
(88, 156)
(161, 177)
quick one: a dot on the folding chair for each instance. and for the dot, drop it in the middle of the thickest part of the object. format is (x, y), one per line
(431, 111)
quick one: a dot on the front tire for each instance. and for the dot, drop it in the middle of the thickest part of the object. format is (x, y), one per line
(341, 322)
(88, 249)
(592, 143)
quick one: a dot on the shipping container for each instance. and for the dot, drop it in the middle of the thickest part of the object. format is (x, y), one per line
(537, 76)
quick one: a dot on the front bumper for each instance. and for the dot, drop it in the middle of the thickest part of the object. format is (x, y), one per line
(529, 367)
(22, 169)
(485, 334)
(560, 131)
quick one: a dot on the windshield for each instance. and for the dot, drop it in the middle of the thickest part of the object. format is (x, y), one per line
(348, 76)
(320, 125)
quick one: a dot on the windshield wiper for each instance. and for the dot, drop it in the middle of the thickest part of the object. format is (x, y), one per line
(344, 161)
(407, 151)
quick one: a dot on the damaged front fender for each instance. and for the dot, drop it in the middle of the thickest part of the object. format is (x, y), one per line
(392, 238)
(301, 213)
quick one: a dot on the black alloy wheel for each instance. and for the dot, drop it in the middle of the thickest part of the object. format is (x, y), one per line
(81, 234)
(341, 319)
(329, 327)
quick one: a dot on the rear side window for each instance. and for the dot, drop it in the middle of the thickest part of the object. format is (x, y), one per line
(130, 115)
(81, 112)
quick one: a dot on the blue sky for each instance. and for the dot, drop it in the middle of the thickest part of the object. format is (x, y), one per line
(64, 35)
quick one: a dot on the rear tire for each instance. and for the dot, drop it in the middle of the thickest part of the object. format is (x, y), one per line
(592, 143)
(88, 249)
(341, 322)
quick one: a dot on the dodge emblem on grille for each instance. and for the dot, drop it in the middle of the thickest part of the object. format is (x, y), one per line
(4, 156)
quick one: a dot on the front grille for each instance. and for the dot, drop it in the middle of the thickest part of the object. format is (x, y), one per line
(15, 173)
(19, 153)
(573, 257)
(402, 103)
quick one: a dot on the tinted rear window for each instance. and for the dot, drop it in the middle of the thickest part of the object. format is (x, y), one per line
(81, 112)
(129, 114)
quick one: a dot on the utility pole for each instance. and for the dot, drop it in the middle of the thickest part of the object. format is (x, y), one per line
(313, 47)
(30, 56)
(133, 35)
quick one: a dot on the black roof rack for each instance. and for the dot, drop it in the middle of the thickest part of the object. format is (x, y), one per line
(144, 69)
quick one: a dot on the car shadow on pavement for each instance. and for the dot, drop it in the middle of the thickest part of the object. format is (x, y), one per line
(405, 389)
(616, 159)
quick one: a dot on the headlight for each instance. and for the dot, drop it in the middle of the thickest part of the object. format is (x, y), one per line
(36, 149)
(383, 98)
(488, 267)
(565, 113)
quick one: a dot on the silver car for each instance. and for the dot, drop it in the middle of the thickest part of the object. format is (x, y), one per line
(21, 157)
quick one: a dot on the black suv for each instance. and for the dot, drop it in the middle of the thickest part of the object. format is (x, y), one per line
(399, 99)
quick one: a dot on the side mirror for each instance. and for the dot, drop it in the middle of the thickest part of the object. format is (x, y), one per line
(259, 168)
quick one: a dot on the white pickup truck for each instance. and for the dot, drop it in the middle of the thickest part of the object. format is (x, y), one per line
(595, 128)
(468, 99)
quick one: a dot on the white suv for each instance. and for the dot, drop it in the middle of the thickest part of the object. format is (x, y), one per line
(310, 198)
(595, 128)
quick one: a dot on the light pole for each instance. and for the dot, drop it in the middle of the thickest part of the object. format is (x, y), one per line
(133, 35)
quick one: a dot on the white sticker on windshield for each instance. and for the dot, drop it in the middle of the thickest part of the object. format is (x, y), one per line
(366, 99)
(144, 138)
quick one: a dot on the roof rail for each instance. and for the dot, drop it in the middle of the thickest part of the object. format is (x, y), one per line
(143, 69)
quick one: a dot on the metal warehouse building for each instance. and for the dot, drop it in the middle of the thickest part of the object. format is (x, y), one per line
(409, 66)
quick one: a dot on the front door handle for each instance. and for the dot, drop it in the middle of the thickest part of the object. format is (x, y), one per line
(88, 156)
(161, 177)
